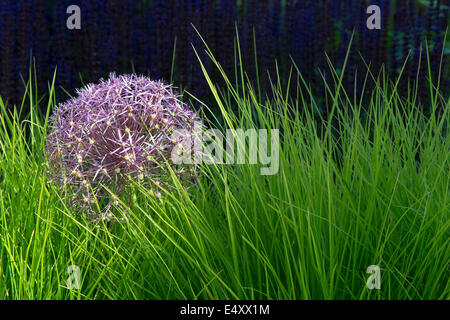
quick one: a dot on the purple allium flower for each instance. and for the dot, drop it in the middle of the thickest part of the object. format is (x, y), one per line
(112, 131)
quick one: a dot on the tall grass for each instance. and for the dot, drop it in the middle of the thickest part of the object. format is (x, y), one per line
(353, 190)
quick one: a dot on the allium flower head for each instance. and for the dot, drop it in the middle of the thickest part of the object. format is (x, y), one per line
(112, 131)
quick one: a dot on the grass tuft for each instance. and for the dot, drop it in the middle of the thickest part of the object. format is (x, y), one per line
(367, 184)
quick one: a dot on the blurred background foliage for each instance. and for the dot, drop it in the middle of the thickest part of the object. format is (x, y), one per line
(148, 36)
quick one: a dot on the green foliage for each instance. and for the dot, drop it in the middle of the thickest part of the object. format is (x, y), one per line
(353, 190)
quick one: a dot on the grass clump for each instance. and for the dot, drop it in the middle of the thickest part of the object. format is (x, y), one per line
(354, 189)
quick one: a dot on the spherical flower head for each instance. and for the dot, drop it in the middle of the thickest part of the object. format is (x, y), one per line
(114, 131)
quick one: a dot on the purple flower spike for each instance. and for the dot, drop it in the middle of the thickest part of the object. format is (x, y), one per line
(113, 131)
